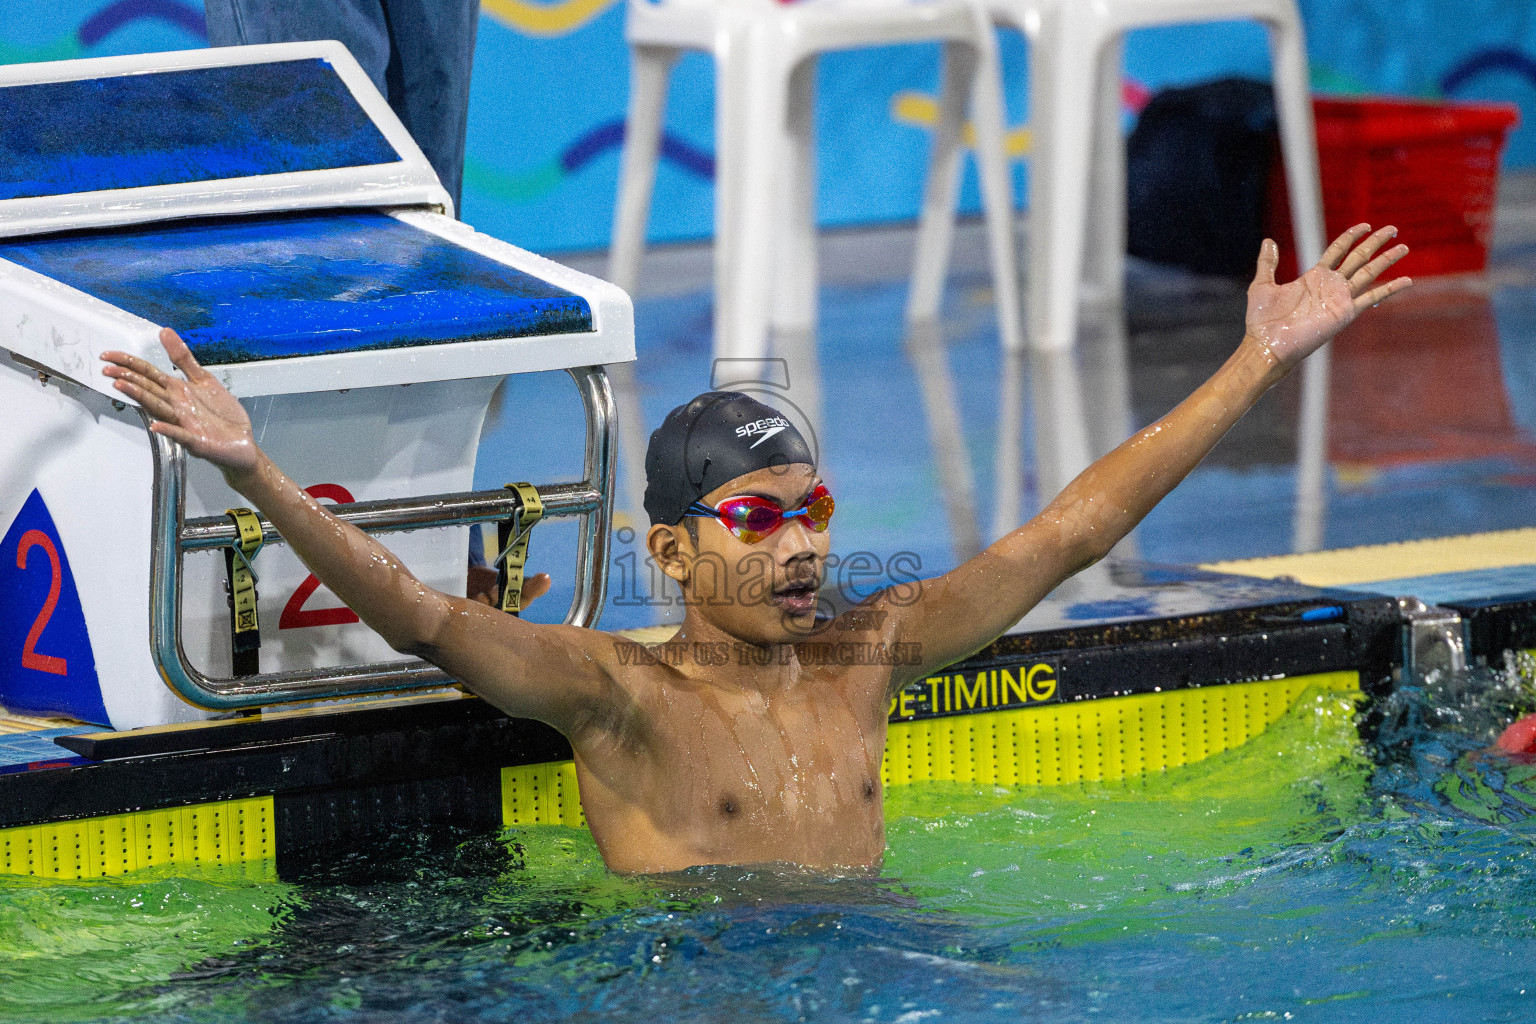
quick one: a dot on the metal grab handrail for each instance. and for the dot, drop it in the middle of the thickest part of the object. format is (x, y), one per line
(396, 514)
(172, 535)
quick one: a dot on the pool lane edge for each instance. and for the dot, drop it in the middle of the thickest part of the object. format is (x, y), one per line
(335, 777)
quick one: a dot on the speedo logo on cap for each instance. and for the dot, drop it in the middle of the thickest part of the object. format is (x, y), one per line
(767, 427)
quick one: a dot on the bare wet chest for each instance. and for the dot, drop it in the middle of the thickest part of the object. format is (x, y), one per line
(753, 759)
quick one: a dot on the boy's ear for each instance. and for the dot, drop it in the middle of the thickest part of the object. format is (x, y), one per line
(672, 549)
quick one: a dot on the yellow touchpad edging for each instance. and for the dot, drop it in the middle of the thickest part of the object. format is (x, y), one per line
(1095, 740)
(1083, 741)
(219, 834)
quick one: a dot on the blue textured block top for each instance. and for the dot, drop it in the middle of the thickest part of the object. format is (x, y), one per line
(240, 290)
(191, 124)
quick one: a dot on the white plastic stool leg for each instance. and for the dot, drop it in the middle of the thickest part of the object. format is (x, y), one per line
(935, 231)
(632, 443)
(1104, 259)
(1008, 459)
(1106, 376)
(731, 93)
(1293, 103)
(996, 184)
(797, 347)
(1061, 428)
(1298, 139)
(794, 255)
(751, 100)
(925, 348)
(1062, 88)
(650, 67)
(1312, 454)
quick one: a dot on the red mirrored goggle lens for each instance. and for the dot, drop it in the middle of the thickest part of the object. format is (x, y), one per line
(750, 516)
(751, 519)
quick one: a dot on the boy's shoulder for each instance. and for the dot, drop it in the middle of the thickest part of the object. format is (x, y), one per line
(648, 636)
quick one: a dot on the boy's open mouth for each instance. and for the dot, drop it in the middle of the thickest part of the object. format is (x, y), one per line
(796, 598)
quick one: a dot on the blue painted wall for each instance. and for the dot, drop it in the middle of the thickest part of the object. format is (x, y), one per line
(551, 78)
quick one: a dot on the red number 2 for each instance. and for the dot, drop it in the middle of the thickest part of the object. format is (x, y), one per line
(29, 656)
(295, 615)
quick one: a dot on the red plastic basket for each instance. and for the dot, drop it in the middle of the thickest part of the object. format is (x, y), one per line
(1430, 168)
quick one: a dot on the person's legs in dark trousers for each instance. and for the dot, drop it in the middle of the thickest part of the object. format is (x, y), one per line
(418, 53)
(433, 46)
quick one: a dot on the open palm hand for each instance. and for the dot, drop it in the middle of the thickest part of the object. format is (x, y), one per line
(194, 409)
(1296, 319)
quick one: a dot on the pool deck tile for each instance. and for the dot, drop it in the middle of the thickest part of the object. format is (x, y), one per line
(30, 747)
(1402, 562)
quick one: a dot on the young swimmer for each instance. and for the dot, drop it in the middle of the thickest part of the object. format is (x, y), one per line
(723, 746)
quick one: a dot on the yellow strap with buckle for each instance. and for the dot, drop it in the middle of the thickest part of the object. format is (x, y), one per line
(512, 537)
(245, 629)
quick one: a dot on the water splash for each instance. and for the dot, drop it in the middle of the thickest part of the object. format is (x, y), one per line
(1306, 872)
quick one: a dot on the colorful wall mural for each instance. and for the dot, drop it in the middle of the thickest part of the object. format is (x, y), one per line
(551, 78)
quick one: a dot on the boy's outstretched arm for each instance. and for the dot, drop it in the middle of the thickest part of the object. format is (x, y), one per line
(557, 674)
(964, 610)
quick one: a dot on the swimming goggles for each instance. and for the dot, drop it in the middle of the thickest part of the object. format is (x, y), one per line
(751, 518)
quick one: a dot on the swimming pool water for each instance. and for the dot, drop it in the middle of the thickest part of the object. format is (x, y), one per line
(1304, 876)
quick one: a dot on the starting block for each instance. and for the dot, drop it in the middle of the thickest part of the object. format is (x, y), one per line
(267, 204)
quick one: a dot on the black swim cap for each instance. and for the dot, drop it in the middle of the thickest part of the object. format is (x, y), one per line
(711, 441)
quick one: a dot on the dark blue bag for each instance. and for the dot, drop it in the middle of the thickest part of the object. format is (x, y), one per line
(1197, 168)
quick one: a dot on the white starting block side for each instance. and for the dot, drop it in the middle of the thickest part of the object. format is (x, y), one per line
(75, 487)
(79, 472)
(363, 332)
(368, 444)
